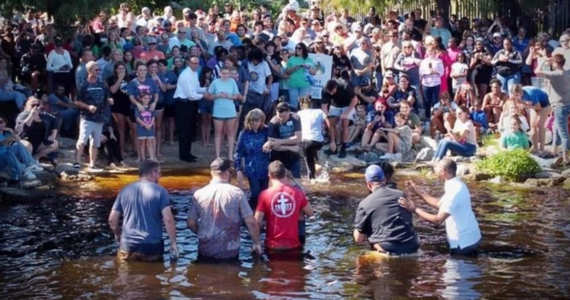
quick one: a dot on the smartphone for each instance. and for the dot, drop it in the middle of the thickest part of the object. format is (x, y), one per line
(430, 65)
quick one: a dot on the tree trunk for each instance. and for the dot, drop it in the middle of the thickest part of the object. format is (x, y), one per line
(442, 9)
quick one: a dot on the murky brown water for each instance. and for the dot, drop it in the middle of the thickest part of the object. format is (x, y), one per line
(63, 249)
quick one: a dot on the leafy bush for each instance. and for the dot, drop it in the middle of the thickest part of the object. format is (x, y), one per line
(514, 165)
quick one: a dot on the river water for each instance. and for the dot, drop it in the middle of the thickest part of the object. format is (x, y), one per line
(63, 249)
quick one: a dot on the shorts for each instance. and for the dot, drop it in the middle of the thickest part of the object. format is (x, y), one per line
(121, 107)
(205, 107)
(143, 133)
(169, 111)
(159, 106)
(403, 148)
(90, 130)
(338, 111)
(132, 116)
(222, 119)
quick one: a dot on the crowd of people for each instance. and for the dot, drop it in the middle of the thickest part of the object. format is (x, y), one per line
(127, 83)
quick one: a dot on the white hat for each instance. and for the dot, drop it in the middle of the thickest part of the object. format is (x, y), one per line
(293, 5)
(496, 34)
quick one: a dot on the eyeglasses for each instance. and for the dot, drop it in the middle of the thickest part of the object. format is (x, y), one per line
(151, 44)
(181, 32)
(326, 36)
(298, 48)
(564, 41)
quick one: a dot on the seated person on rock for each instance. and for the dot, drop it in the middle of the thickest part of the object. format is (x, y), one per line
(359, 125)
(512, 108)
(479, 119)
(399, 140)
(413, 120)
(514, 137)
(37, 128)
(461, 140)
(375, 121)
(63, 109)
(443, 115)
(493, 102)
(14, 155)
(465, 96)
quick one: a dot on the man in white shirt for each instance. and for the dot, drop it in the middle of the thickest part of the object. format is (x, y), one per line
(188, 93)
(564, 49)
(454, 208)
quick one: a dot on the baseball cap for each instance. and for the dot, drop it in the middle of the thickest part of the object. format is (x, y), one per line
(294, 6)
(166, 23)
(220, 164)
(151, 40)
(389, 74)
(496, 34)
(374, 174)
(356, 27)
(365, 82)
(186, 10)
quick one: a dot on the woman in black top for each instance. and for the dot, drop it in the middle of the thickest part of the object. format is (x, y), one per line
(121, 107)
(340, 62)
(481, 68)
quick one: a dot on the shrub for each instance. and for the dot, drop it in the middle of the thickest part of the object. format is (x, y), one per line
(514, 165)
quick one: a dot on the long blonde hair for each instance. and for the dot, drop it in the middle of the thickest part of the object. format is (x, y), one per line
(253, 115)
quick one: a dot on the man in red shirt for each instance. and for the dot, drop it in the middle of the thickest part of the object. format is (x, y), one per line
(281, 205)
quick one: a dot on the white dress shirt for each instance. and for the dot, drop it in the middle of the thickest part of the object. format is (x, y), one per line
(188, 86)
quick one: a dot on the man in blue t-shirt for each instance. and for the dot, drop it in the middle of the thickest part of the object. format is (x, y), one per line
(145, 205)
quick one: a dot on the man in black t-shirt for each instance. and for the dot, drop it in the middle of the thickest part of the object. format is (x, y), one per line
(339, 95)
(381, 220)
(284, 139)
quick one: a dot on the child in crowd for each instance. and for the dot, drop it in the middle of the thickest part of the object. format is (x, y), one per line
(399, 139)
(145, 128)
(110, 143)
(512, 108)
(459, 70)
(376, 120)
(479, 118)
(357, 129)
(514, 137)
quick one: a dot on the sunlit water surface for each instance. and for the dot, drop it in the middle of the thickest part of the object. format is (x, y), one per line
(63, 249)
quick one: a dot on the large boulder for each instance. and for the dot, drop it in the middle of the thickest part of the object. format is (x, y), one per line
(545, 182)
(565, 173)
(426, 154)
(66, 143)
(349, 163)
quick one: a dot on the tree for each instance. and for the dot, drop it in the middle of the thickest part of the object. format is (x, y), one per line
(66, 12)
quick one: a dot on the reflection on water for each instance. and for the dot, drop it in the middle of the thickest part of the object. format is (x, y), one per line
(64, 249)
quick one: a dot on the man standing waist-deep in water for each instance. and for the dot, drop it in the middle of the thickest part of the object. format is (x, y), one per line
(454, 208)
(381, 221)
(145, 205)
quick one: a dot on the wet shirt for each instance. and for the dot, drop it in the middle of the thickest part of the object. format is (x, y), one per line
(284, 130)
(281, 206)
(141, 204)
(250, 148)
(219, 208)
(95, 94)
(383, 220)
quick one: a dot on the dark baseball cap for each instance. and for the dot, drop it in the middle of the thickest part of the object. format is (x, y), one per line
(374, 174)
(221, 164)
(365, 82)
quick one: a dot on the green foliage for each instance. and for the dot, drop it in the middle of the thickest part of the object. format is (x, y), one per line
(514, 165)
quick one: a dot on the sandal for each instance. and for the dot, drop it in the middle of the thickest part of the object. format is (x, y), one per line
(76, 165)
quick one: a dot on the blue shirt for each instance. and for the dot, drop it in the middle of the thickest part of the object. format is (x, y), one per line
(169, 78)
(135, 88)
(535, 96)
(520, 44)
(224, 107)
(4, 135)
(481, 118)
(141, 204)
(250, 148)
(53, 99)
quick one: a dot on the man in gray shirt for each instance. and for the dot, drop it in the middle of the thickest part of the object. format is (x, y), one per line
(145, 205)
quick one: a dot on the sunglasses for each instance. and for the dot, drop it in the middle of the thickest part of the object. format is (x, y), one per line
(325, 36)
(282, 110)
(35, 105)
(151, 44)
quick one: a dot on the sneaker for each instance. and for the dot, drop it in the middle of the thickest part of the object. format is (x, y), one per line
(34, 168)
(397, 157)
(28, 175)
(342, 152)
(94, 169)
(387, 156)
